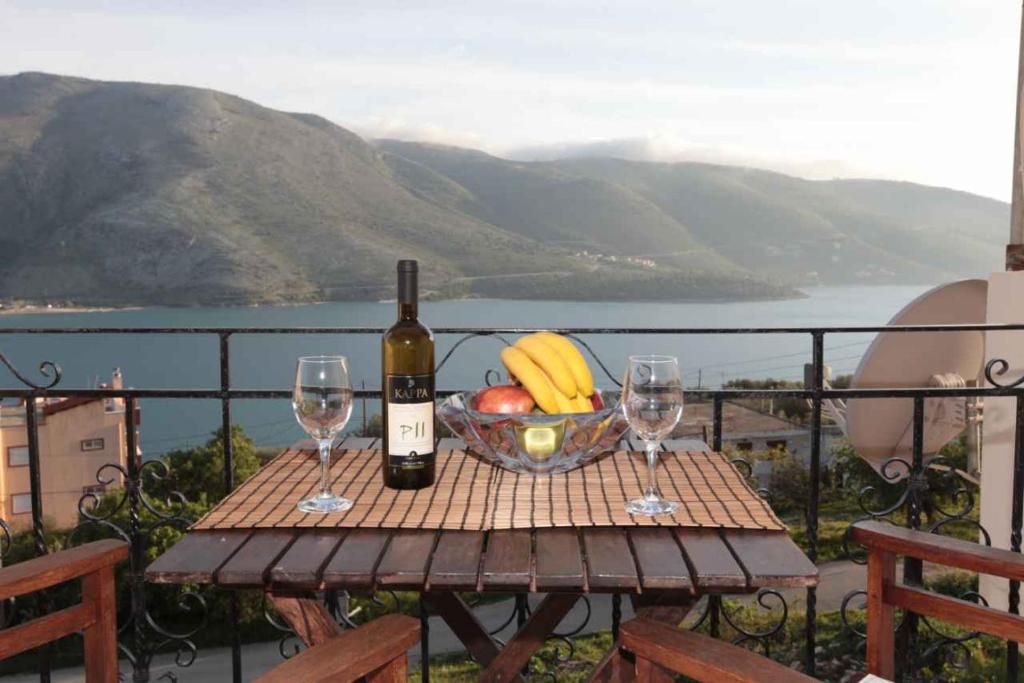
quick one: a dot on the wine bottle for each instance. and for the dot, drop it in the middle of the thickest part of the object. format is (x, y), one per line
(407, 381)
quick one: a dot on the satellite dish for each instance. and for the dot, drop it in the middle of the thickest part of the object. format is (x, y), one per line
(882, 429)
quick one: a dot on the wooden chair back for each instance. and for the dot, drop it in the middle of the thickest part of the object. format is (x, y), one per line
(884, 543)
(95, 616)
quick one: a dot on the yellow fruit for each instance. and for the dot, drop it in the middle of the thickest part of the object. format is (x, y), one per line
(573, 358)
(550, 362)
(565, 404)
(531, 377)
(583, 404)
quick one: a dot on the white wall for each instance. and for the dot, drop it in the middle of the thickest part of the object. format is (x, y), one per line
(1005, 305)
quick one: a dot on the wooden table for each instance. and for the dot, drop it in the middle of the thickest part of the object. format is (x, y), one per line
(663, 569)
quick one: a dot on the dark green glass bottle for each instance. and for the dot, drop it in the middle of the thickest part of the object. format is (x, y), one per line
(407, 381)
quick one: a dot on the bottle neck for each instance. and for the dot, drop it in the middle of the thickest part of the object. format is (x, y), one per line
(408, 296)
(408, 311)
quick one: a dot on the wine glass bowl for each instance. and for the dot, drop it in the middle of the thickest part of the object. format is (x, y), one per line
(535, 444)
(322, 403)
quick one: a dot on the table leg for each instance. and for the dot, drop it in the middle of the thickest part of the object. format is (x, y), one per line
(502, 664)
(463, 623)
(307, 616)
(515, 655)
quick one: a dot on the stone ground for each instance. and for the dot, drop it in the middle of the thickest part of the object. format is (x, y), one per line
(214, 665)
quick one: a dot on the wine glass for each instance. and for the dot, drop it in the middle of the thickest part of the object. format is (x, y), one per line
(322, 402)
(652, 400)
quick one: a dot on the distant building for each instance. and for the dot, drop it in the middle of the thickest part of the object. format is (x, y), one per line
(76, 437)
(748, 429)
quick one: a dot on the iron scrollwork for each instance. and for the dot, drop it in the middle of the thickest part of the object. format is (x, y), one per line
(141, 636)
(48, 369)
(922, 483)
(715, 608)
(997, 367)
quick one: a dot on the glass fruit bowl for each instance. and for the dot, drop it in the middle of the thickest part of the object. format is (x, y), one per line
(535, 443)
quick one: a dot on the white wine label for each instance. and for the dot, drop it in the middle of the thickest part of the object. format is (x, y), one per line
(410, 418)
(410, 428)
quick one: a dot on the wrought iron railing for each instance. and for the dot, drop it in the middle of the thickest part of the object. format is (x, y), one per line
(142, 635)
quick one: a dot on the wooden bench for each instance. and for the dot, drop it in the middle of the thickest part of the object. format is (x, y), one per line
(374, 651)
(95, 616)
(884, 543)
(658, 649)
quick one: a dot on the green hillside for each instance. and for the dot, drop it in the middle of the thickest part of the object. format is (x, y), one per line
(806, 232)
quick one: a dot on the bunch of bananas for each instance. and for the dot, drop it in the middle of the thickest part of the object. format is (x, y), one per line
(553, 370)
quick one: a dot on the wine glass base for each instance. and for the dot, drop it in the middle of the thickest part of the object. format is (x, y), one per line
(325, 504)
(649, 507)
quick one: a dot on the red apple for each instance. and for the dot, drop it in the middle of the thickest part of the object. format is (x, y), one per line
(595, 400)
(504, 399)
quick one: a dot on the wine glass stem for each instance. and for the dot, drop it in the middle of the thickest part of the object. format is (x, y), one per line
(652, 492)
(325, 465)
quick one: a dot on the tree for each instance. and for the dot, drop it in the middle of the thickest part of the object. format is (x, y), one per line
(198, 473)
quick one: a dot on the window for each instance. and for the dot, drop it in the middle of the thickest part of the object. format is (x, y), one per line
(92, 444)
(777, 445)
(21, 503)
(17, 456)
(744, 446)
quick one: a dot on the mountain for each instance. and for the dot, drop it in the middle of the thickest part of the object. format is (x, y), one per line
(802, 231)
(132, 193)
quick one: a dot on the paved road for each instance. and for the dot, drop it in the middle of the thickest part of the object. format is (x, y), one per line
(213, 665)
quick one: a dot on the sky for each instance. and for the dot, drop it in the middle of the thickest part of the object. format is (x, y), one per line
(919, 90)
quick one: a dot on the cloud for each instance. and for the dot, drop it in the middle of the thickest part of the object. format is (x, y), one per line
(663, 149)
(403, 129)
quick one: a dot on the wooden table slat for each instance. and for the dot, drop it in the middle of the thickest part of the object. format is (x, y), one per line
(301, 564)
(507, 561)
(610, 563)
(251, 563)
(659, 560)
(771, 559)
(712, 564)
(559, 562)
(405, 562)
(456, 563)
(354, 562)
(196, 557)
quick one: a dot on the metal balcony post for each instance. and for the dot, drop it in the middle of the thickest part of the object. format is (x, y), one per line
(811, 512)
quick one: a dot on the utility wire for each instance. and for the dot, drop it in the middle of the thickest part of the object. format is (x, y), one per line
(764, 358)
(745, 373)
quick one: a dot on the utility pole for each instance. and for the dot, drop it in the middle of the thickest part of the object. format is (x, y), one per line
(700, 375)
(1015, 249)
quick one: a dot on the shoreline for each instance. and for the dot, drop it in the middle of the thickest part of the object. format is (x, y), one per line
(35, 309)
(49, 309)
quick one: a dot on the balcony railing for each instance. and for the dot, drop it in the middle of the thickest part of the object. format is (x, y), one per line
(141, 635)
